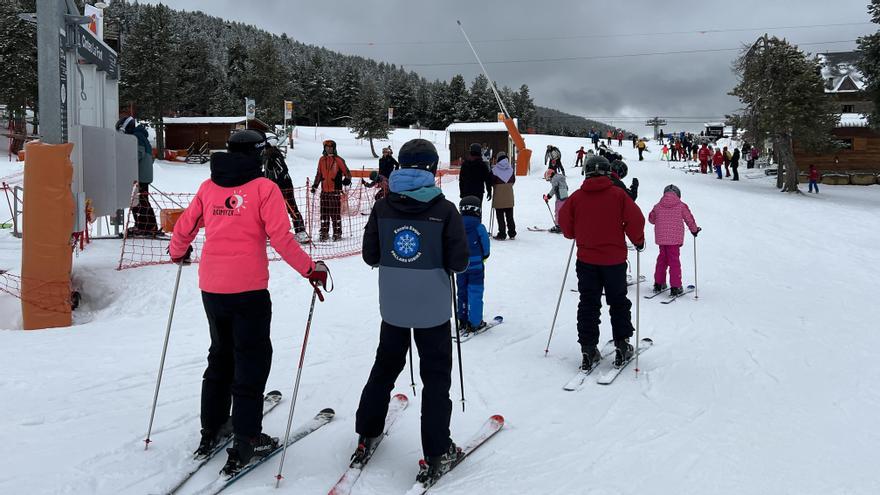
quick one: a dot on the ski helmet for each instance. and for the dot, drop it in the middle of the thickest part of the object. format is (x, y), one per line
(549, 173)
(420, 154)
(471, 206)
(672, 188)
(272, 140)
(246, 141)
(331, 143)
(597, 165)
(476, 149)
(619, 168)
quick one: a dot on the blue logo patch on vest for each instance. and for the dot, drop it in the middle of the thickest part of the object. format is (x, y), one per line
(407, 244)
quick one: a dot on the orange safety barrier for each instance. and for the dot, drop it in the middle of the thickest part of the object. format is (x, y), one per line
(47, 216)
(524, 155)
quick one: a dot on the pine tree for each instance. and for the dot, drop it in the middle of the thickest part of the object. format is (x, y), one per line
(18, 59)
(443, 111)
(317, 90)
(459, 98)
(525, 108)
(266, 81)
(482, 104)
(147, 79)
(196, 75)
(401, 96)
(349, 93)
(370, 118)
(784, 99)
(869, 64)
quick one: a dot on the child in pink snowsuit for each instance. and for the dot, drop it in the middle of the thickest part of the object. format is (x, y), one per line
(667, 217)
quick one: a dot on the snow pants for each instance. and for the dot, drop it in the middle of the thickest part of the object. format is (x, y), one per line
(435, 368)
(286, 187)
(735, 167)
(704, 166)
(470, 295)
(239, 360)
(559, 203)
(331, 211)
(506, 226)
(718, 171)
(144, 216)
(669, 257)
(641, 150)
(592, 279)
(814, 185)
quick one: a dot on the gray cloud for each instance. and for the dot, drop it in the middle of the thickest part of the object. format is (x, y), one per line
(685, 85)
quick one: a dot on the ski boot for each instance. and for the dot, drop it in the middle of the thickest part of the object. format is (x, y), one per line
(302, 237)
(478, 328)
(556, 229)
(211, 439)
(337, 236)
(363, 452)
(623, 352)
(244, 450)
(500, 237)
(591, 359)
(431, 468)
(676, 291)
(658, 288)
(324, 237)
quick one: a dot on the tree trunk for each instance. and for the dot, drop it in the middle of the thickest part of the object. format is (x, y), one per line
(785, 154)
(160, 139)
(372, 149)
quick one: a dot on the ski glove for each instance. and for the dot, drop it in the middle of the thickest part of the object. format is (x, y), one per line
(185, 259)
(314, 189)
(697, 231)
(318, 275)
(546, 198)
(346, 181)
(640, 247)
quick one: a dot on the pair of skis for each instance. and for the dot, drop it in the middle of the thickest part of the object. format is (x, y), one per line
(465, 336)
(670, 299)
(398, 403)
(630, 281)
(270, 401)
(608, 376)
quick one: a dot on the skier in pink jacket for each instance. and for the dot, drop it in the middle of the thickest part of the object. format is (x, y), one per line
(667, 217)
(239, 209)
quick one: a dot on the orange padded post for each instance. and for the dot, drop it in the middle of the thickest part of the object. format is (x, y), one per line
(47, 216)
(523, 154)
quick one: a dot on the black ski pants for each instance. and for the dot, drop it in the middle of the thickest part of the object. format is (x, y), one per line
(296, 217)
(435, 367)
(592, 279)
(239, 360)
(506, 225)
(331, 211)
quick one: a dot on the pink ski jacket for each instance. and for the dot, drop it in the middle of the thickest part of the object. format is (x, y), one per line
(237, 221)
(667, 217)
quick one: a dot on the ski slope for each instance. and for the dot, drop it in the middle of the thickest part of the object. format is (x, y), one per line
(765, 385)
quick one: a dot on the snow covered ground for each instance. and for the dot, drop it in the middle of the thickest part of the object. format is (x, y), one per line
(765, 385)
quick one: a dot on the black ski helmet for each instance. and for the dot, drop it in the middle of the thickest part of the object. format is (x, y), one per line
(597, 165)
(420, 154)
(619, 168)
(471, 205)
(246, 141)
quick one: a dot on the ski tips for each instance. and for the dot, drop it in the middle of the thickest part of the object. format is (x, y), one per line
(273, 393)
(499, 319)
(497, 419)
(648, 340)
(401, 397)
(327, 411)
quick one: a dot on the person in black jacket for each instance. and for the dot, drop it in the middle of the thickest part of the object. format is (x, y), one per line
(387, 163)
(734, 163)
(275, 169)
(474, 176)
(417, 240)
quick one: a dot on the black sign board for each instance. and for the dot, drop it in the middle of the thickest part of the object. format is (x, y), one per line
(95, 52)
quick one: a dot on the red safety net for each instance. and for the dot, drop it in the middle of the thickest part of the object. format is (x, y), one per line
(50, 296)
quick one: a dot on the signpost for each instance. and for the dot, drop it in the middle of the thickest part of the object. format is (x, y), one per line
(390, 114)
(250, 111)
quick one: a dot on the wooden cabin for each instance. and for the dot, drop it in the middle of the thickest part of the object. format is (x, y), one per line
(492, 134)
(182, 132)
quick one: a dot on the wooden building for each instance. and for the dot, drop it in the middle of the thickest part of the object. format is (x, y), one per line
(182, 132)
(492, 134)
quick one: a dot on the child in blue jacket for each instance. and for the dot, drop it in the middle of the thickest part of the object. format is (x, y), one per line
(470, 283)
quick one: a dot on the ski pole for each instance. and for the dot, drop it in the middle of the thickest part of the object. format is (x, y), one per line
(457, 339)
(302, 357)
(162, 359)
(553, 217)
(638, 300)
(558, 301)
(696, 292)
(491, 221)
(412, 375)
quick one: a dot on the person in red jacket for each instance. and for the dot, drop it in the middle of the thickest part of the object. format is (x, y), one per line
(620, 137)
(717, 161)
(814, 179)
(704, 156)
(601, 260)
(239, 209)
(331, 176)
(580, 157)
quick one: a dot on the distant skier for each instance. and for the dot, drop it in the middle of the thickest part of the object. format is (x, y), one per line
(599, 217)
(595, 139)
(379, 181)
(559, 190)
(704, 155)
(580, 157)
(664, 153)
(589, 155)
(620, 137)
(642, 146)
(734, 163)
(275, 169)
(471, 282)
(331, 176)
(417, 240)
(240, 210)
(553, 159)
(727, 156)
(814, 179)
(475, 177)
(669, 217)
(144, 217)
(487, 154)
(717, 161)
(503, 178)
(387, 163)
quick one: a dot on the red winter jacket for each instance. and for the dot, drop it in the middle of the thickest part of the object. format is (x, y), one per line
(814, 174)
(704, 154)
(597, 216)
(718, 158)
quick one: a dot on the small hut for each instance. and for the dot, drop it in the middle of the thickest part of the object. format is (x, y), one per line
(492, 134)
(183, 132)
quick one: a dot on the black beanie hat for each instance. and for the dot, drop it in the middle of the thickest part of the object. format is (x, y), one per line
(420, 154)
(476, 149)
(471, 206)
(246, 141)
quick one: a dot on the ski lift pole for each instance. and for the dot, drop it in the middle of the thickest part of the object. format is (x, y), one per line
(485, 72)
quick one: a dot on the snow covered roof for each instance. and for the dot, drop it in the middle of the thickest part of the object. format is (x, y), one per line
(840, 73)
(713, 124)
(478, 127)
(852, 120)
(204, 120)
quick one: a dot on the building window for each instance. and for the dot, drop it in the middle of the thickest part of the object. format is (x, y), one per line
(845, 143)
(849, 109)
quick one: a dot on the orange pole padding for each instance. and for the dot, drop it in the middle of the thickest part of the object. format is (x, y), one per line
(523, 154)
(47, 216)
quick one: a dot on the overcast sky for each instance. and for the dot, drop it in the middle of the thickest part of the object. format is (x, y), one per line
(614, 89)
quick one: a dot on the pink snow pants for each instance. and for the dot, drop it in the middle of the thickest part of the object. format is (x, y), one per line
(559, 203)
(668, 257)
